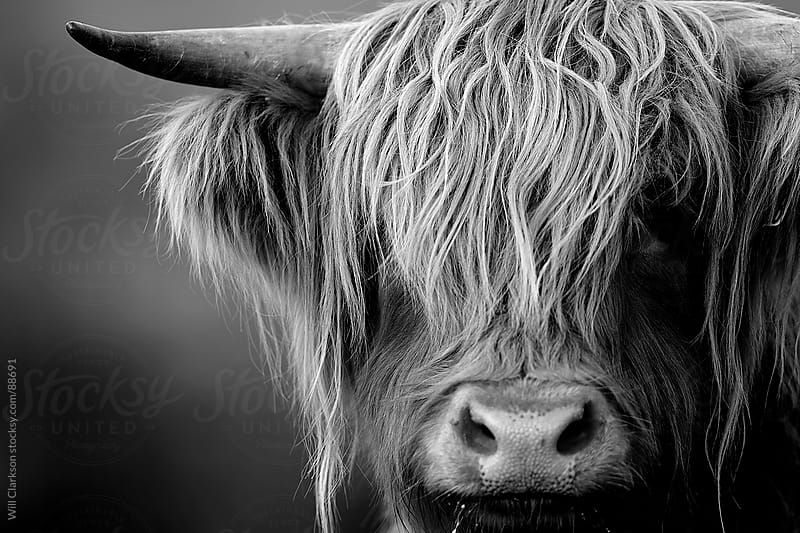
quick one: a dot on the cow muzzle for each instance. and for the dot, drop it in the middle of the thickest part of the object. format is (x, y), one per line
(526, 438)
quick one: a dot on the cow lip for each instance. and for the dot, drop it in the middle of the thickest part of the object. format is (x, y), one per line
(505, 504)
(549, 512)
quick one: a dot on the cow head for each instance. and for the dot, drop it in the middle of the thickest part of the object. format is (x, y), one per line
(535, 261)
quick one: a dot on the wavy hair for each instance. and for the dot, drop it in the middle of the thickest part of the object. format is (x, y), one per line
(499, 156)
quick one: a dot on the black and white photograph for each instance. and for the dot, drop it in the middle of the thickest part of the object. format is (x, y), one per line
(411, 266)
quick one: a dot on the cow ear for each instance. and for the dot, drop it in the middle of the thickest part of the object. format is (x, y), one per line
(236, 177)
(755, 275)
(233, 179)
(764, 252)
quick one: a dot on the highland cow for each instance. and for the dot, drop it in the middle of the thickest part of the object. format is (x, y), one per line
(532, 264)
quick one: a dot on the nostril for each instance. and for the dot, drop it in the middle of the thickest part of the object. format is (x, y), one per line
(476, 435)
(579, 433)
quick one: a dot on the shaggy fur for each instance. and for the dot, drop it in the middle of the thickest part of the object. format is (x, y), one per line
(495, 188)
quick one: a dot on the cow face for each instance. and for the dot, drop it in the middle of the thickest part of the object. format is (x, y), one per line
(530, 259)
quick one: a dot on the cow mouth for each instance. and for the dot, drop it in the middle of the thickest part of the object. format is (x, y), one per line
(517, 513)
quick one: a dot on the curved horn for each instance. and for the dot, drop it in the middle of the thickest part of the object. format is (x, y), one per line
(223, 58)
(766, 38)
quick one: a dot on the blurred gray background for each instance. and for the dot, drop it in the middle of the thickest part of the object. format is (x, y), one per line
(140, 408)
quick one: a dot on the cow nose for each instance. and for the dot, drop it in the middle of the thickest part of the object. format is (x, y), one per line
(527, 438)
(553, 434)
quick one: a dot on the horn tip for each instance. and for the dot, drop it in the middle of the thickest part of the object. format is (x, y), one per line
(75, 28)
(84, 34)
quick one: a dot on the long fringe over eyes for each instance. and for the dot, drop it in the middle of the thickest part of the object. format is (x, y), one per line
(498, 154)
